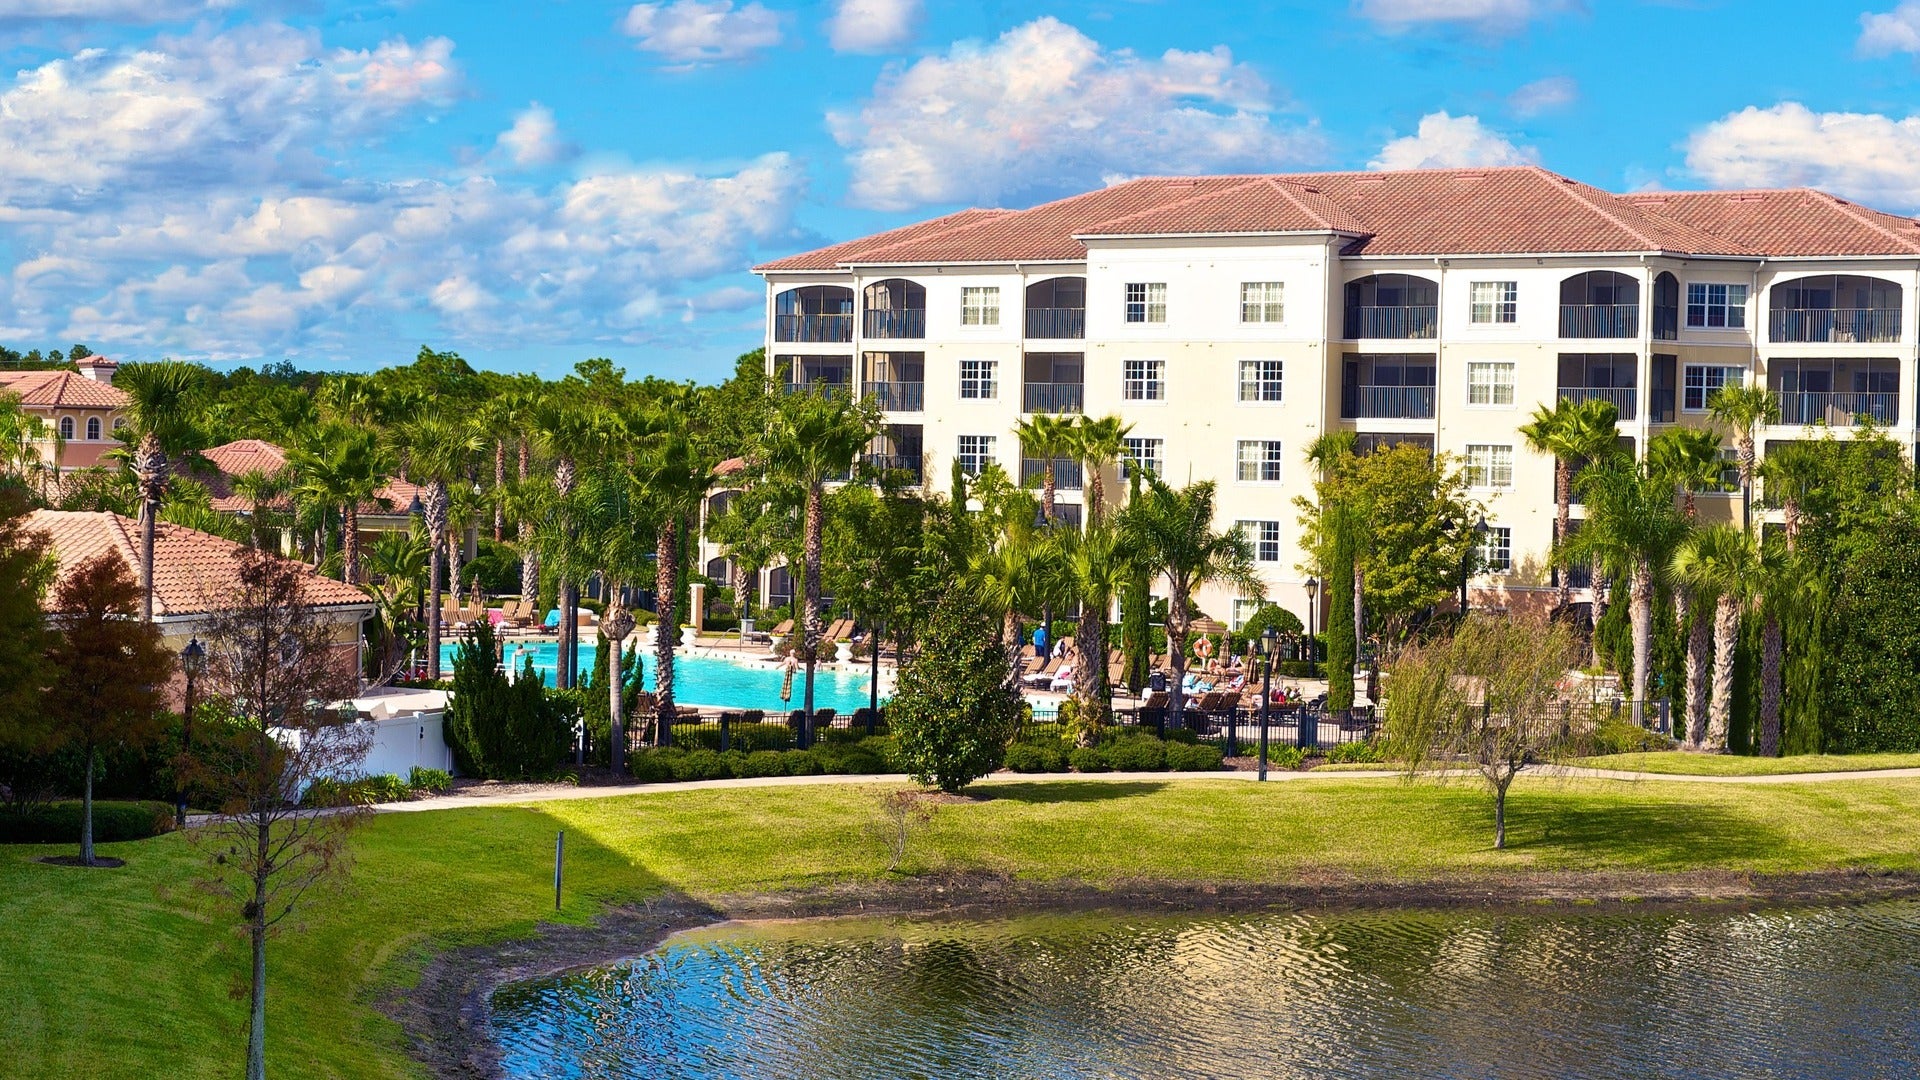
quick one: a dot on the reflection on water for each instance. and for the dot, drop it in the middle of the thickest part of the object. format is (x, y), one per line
(1809, 993)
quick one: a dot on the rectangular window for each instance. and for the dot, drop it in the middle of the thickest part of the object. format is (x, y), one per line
(1144, 380)
(1147, 302)
(1257, 460)
(979, 380)
(1489, 383)
(980, 305)
(1261, 302)
(1244, 608)
(1496, 550)
(1489, 465)
(1260, 380)
(975, 452)
(1265, 538)
(1146, 452)
(1494, 302)
(1716, 307)
(1701, 381)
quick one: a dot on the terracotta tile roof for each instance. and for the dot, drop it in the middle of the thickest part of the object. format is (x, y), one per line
(235, 459)
(192, 570)
(1259, 205)
(54, 389)
(829, 258)
(730, 466)
(1796, 221)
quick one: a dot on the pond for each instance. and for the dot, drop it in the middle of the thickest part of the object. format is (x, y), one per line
(704, 680)
(1826, 992)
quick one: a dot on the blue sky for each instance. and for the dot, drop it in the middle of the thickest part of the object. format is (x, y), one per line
(337, 182)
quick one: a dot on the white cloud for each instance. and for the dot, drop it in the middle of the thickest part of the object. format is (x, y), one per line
(1544, 95)
(1495, 16)
(534, 138)
(1866, 156)
(121, 11)
(872, 25)
(1045, 109)
(1451, 142)
(1890, 32)
(702, 31)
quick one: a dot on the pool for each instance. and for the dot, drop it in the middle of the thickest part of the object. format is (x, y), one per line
(701, 680)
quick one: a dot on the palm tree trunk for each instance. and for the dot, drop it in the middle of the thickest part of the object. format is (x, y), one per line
(812, 554)
(150, 509)
(1699, 648)
(666, 629)
(616, 692)
(455, 534)
(1359, 605)
(1177, 654)
(1090, 672)
(1640, 595)
(499, 484)
(1596, 610)
(1790, 515)
(1747, 459)
(1096, 494)
(433, 612)
(350, 542)
(1726, 636)
(563, 477)
(1562, 520)
(1771, 649)
(1047, 493)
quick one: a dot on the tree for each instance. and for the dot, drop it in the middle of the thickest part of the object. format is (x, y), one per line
(1573, 434)
(342, 467)
(1874, 668)
(109, 670)
(1136, 623)
(1793, 475)
(1095, 561)
(1721, 564)
(570, 431)
(161, 418)
(1047, 437)
(1336, 527)
(501, 728)
(1631, 531)
(1487, 695)
(1098, 444)
(26, 567)
(1745, 409)
(958, 705)
(672, 479)
(1687, 459)
(435, 450)
(273, 669)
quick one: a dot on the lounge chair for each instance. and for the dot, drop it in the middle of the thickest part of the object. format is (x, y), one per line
(1062, 679)
(1040, 678)
(784, 628)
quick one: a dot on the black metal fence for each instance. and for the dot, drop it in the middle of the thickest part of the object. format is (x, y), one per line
(1236, 730)
(752, 729)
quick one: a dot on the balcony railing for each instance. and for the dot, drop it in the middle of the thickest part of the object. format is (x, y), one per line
(1393, 322)
(1835, 410)
(895, 323)
(1057, 322)
(896, 396)
(906, 464)
(1393, 402)
(1050, 397)
(825, 387)
(1835, 324)
(1624, 398)
(1066, 474)
(1599, 320)
(813, 328)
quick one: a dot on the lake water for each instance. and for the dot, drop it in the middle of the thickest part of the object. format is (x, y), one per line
(727, 684)
(1830, 992)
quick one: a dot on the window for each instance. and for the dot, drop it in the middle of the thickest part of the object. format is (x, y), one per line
(1245, 608)
(1260, 380)
(1265, 538)
(1147, 303)
(979, 380)
(1496, 550)
(1145, 451)
(1144, 380)
(66, 428)
(1261, 302)
(1258, 460)
(1489, 383)
(980, 305)
(93, 428)
(1494, 302)
(1716, 306)
(1701, 381)
(1489, 465)
(119, 422)
(975, 453)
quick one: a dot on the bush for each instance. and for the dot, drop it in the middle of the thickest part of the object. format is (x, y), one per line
(1285, 757)
(746, 737)
(1026, 757)
(654, 766)
(59, 823)
(801, 763)
(1353, 753)
(1615, 735)
(1285, 623)
(501, 730)
(851, 760)
(1193, 757)
(957, 707)
(1089, 759)
(360, 791)
(1136, 753)
(764, 763)
(1297, 669)
(701, 765)
(432, 781)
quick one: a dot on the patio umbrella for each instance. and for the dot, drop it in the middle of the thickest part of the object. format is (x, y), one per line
(1208, 626)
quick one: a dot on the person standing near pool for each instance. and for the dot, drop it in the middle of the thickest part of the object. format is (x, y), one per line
(1040, 640)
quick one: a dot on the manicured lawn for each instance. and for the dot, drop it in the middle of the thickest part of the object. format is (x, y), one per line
(1682, 763)
(127, 974)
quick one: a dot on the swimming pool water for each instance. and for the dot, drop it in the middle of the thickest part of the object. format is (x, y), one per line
(701, 680)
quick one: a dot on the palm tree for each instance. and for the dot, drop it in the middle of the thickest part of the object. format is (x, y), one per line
(1630, 531)
(437, 450)
(1574, 434)
(1047, 437)
(343, 467)
(21, 434)
(1094, 562)
(570, 432)
(1721, 563)
(1010, 570)
(161, 416)
(396, 561)
(1687, 459)
(1098, 444)
(1792, 475)
(263, 491)
(617, 542)
(672, 478)
(1172, 532)
(1745, 409)
(1786, 591)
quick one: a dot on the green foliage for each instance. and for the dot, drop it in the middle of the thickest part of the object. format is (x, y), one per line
(1285, 623)
(1354, 752)
(748, 737)
(501, 730)
(957, 707)
(431, 781)
(59, 822)
(1136, 753)
(764, 763)
(1285, 757)
(802, 763)
(360, 791)
(1873, 688)
(1089, 759)
(1615, 735)
(1193, 757)
(1027, 757)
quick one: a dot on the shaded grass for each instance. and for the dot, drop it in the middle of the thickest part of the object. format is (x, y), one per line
(1683, 763)
(126, 973)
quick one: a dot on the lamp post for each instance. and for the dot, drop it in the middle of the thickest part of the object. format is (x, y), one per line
(1466, 560)
(192, 659)
(1370, 654)
(1313, 622)
(419, 513)
(1268, 638)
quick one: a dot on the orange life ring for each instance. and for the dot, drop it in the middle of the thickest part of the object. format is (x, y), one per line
(1205, 648)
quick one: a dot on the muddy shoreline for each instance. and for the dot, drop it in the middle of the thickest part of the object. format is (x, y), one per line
(446, 1015)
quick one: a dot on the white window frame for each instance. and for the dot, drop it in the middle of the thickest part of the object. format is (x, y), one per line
(1733, 314)
(1264, 536)
(1147, 300)
(984, 313)
(1244, 609)
(1261, 383)
(1732, 374)
(1485, 470)
(1148, 383)
(1501, 308)
(1263, 302)
(1261, 457)
(980, 456)
(1493, 387)
(1155, 460)
(1499, 539)
(68, 426)
(984, 379)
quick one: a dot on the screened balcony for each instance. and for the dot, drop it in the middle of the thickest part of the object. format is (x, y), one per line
(1057, 308)
(823, 374)
(1666, 395)
(1053, 383)
(896, 382)
(1837, 393)
(899, 453)
(894, 308)
(1397, 306)
(1834, 308)
(1067, 475)
(1666, 307)
(1387, 387)
(1600, 304)
(1611, 377)
(814, 314)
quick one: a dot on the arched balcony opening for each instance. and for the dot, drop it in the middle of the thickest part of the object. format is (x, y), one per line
(1392, 306)
(1599, 304)
(1057, 308)
(1666, 307)
(814, 313)
(895, 308)
(1836, 308)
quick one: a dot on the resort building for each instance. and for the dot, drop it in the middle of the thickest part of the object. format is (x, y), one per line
(84, 409)
(1231, 320)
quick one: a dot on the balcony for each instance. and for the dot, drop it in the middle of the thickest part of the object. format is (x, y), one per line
(813, 329)
(1663, 406)
(899, 466)
(1624, 398)
(1392, 322)
(1836, 410)
(1052, 397)
(1067, 475)
(896, 396)
(1666, 324)
(894, 323)
(1835, 325)
(1392, 402)
(1599, 320)
(1056, 322)
(823, 387)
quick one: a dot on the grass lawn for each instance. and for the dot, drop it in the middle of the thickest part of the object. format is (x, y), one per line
(127, 973)
(1682, 763)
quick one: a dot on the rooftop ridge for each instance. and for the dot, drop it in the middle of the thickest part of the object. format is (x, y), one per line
(1567, 185)
(1853, 211)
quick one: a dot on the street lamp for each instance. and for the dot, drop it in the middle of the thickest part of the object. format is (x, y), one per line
(1268, 639)
(1313, 621)
(1370, 654)
(1466, 560)
(192, 660)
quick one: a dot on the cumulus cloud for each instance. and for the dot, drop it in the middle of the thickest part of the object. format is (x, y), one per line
(1045, 109)
(1544, 95)
(1867, 156)
(534, 138)
(1491, 15)
(1891, 31)
(688, 32)
(872, 25)
(120, 11)
(1451, 142)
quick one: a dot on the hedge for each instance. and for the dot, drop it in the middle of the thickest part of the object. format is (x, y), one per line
(59, 823)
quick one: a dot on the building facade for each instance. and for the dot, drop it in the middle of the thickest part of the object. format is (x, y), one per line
(83, 409)
(1232, 320)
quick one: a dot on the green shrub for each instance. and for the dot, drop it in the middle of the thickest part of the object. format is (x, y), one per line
(432, 781)
(801, 762)
(1026, 757)
(701, 765)
(851, 761)
(1089, 759)
(502, 730)
(746, 737)
(1285, 757)
(764, 763)
(1136, 753)
(958, 706)
(59, 823)
(1044, 734)
(1616, 735)
(360, 791)
(1353, 753)
(654, 766)
(1192, 757)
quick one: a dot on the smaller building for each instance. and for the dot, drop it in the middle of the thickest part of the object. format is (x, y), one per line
(386, 512)
(83, 408)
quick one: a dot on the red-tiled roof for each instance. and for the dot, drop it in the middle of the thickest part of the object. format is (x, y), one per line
(1795, 221)
(828, 258)
(192, 571)
(58, 389)
(242, 456)
(1259, 205)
